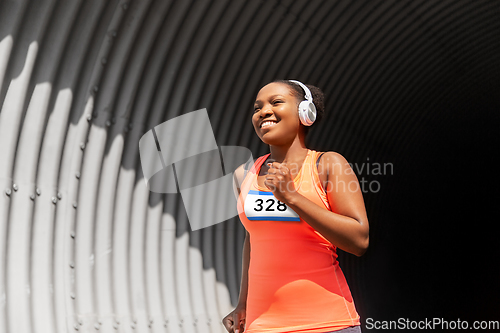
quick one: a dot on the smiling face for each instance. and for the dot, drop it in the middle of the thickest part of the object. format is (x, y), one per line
(275, 118)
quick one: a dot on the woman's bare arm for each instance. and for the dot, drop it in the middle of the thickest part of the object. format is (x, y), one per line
(346, 226)
(242, 301)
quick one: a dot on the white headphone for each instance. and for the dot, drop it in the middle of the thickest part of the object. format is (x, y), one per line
(307, 109)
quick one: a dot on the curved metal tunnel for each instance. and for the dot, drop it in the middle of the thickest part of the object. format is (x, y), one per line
(85, 246)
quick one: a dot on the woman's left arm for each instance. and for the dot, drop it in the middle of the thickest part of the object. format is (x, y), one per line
(346, 226)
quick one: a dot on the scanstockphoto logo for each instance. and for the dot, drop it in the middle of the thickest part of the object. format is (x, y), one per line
(181, 155)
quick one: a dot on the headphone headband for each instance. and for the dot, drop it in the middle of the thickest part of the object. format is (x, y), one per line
(306, 90)
(307, 109)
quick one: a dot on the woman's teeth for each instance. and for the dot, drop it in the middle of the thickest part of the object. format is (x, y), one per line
(267, 124)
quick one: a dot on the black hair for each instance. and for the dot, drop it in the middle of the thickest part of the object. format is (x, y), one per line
(317, 95)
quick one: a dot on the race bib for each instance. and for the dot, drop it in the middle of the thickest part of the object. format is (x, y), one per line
(263, 206)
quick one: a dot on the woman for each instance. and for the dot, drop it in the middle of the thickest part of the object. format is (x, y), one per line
(297, 206)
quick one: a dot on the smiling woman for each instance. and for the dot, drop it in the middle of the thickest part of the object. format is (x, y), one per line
(294, 92)
(295, 219)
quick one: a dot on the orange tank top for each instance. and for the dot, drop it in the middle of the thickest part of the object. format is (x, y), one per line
(295, 283)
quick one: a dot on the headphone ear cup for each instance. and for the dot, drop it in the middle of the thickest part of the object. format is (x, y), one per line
(307, 113)
(312, 112)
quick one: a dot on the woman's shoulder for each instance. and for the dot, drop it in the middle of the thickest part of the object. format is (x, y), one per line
(332, 155)
(330, 159)
(241, 171)
(238, 175)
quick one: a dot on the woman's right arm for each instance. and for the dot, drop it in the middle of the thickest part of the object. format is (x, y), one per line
(242, 300)
(235, 322)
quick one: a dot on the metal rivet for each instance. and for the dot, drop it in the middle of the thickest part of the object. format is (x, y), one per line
(72, 234)
(96, 88)
(72, 264)
(8, 191)
(77, 175)
(96, 326)
(76, 327)
(32, 196)
(14, 186)
(74, 205)
(115, 326)
(132, 325)
(59, 195)
(38, 191)
(108, 123)
(72, 295)
(89, 117)
(82, 146)
(54, 200)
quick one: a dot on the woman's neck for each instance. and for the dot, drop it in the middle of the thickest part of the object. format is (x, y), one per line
(292, 154)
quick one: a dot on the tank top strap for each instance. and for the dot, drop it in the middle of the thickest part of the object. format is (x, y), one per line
(249, 176)
(311, 162)
(256, 166)
(314, 170)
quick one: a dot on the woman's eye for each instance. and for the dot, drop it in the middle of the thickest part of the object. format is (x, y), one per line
(277, 102)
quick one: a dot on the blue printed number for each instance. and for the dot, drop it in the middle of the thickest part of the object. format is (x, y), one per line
(281, 205)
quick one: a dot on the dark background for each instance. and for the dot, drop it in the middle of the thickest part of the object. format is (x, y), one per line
(415, 84)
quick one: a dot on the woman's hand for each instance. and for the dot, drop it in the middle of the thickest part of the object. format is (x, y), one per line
(280, 182)
(235, 321)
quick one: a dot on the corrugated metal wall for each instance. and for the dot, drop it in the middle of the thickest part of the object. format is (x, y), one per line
(84, 245)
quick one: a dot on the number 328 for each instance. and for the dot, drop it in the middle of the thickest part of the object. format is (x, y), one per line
(281, 206)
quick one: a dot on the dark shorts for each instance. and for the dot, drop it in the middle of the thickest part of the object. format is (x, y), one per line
(352, 329)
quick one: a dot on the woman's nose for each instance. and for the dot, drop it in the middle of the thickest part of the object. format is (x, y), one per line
(266, 110)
